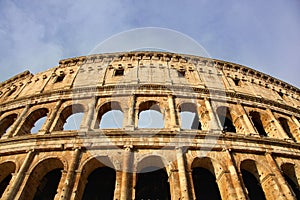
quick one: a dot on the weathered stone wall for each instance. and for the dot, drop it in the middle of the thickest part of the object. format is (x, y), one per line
(139, 81)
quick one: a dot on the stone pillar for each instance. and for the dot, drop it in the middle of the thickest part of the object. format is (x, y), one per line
(131, 114)
(191, 183)
(173, 122)
(69, 182)
(89, 115)
(296, 121)
(282, 133)
(236, 183)
(136, 117)
(14, 188)
(285, 190)
(247, 121)
(126, 184)
(50, 120)
(184, 188)
(214, 121)
(15, 125)
(117, 191)
(296, 133)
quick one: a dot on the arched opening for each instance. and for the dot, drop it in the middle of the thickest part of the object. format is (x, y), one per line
(290, 177)
(6, 123)
(257, 121)
(100, 184)
(73, 122)
(205, 185)
(6, 170)
(150, 115)
(98, 179)
(189, 117)
(70, 118)
(285, 125)
(204, 180)
(251, 181)
(110, 115)
(32, 119)
(226, 119)
(48, 185)
(43, 180)
(38, 125)
(152, 180)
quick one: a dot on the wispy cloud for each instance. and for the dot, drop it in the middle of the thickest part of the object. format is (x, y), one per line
(264, 35)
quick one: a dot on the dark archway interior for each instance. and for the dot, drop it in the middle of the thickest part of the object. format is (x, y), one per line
(205, 185)
(152, 185)
(254, 188)
(100, 185)
(4, 183)
(284, 123)
(292, 185)
(226, 119)
(48, 185)
(6, 123)
(255, 116)
(228, 125)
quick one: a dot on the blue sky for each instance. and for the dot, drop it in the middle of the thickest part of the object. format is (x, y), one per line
(264, 35)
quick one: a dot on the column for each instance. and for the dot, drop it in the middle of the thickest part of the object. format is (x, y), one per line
(136, 117)
(131, 114)
(17, 122)
(89, 115)
(191, 183)
(247, 121)
(51, 118)
(68, 185)
(117, 191)
(285, 190)
(14, 188)
(127, 168)
(214, 122)
(182, 174)
(296, 134)
(234, 176)
(278, 125)
(296, 121)
(173, 122)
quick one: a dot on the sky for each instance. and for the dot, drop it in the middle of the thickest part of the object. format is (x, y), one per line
(263, 35)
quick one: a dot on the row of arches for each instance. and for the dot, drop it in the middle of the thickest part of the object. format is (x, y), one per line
(149, 115)
(98, 179)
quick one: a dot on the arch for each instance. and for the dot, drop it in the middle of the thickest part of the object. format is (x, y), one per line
(6, 170)
(43, 180)
(31, 120)
(258, 123)
(225, 118)
(70, 118)
(251, 180)
(289, 174)
(150, 115)
(6, 123)
(286, 127)
(204, 179)
(110, 115)
(91, 184)
(189, 116)
(152, 179)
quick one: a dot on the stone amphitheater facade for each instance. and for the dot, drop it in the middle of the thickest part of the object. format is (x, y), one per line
(240, 138)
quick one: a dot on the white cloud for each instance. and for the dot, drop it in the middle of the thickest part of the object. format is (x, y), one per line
(265, 35)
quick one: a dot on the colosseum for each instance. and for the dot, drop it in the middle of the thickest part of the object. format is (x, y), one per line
(149, 125)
